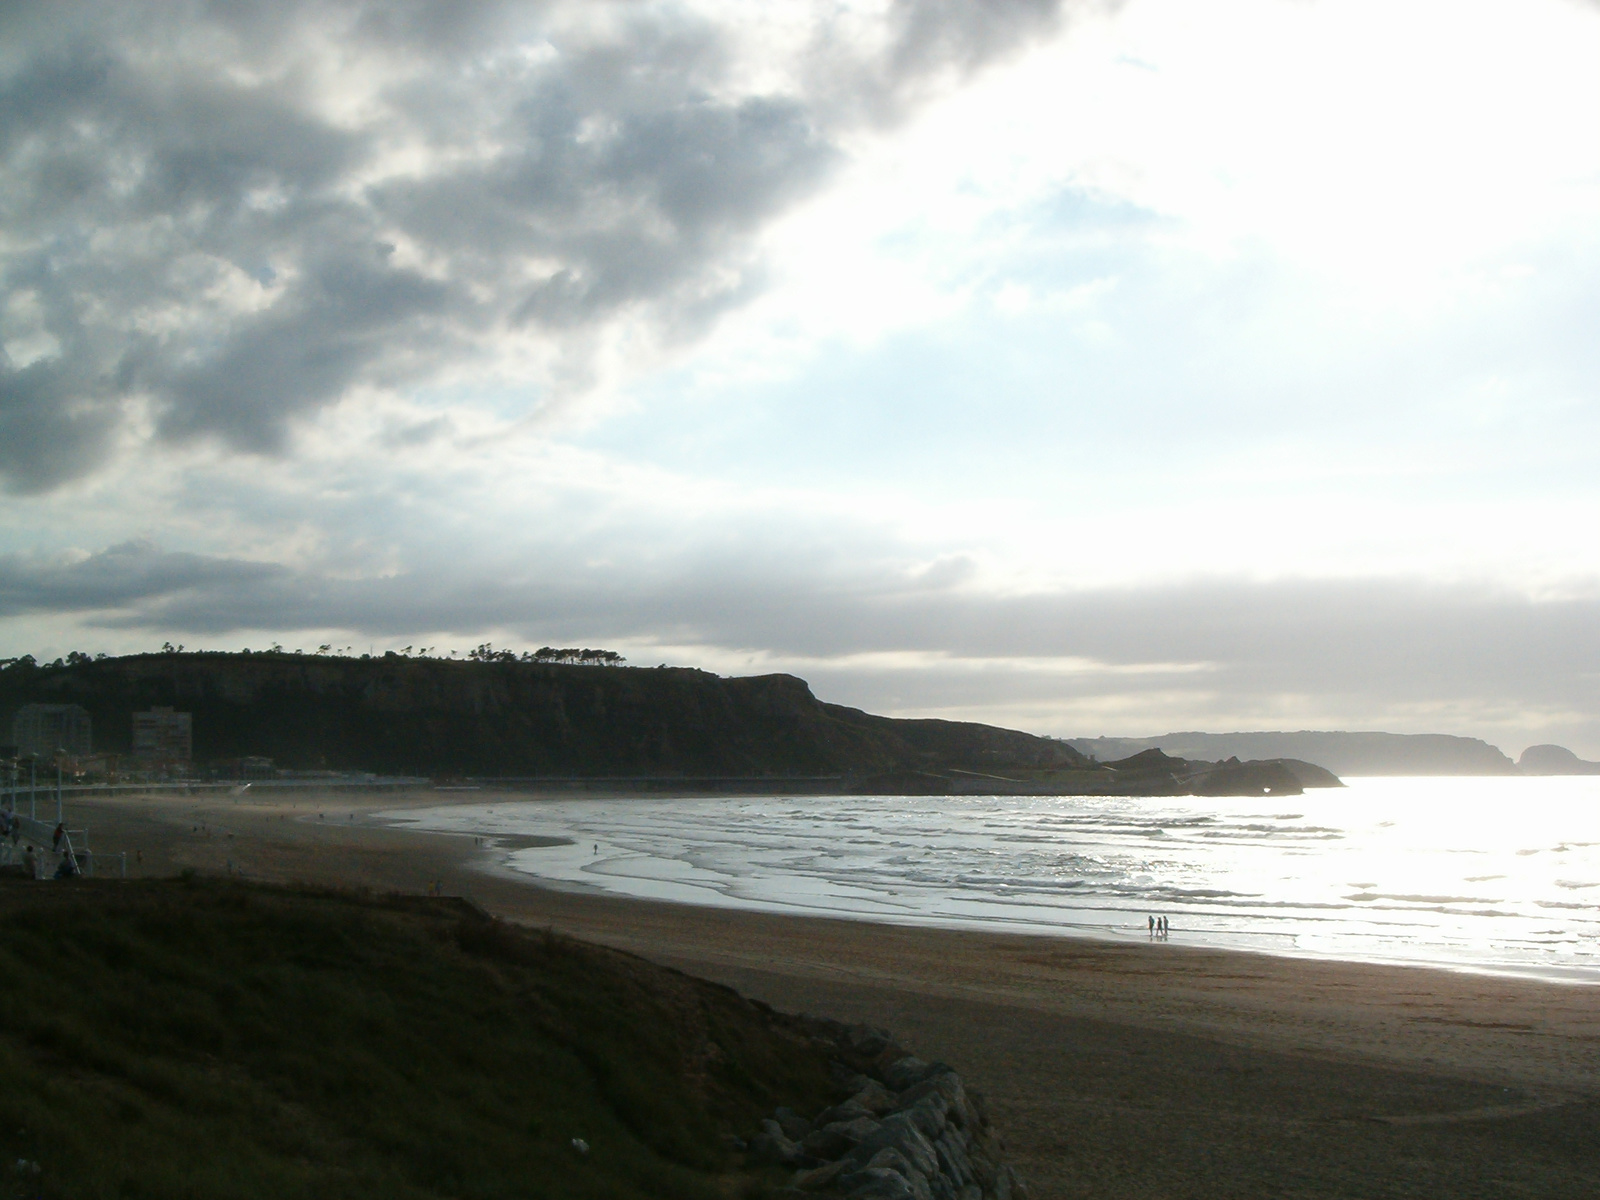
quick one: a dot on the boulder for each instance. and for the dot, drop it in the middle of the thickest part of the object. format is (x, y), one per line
(899, 1132)
(929, 1114)
(867, 1040)
(892, 1159)
(874, 1097)
(818, 1178)
(794, 1126)
(772, 1145)
(909, 1071)
(839, 1138)
(848, 1110)
(876, 1183)
(957, 1106)
(953, 1158)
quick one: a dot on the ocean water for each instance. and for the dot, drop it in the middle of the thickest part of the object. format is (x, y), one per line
(1495, 875)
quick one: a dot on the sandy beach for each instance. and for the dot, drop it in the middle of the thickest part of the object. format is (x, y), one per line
(1113, 1069)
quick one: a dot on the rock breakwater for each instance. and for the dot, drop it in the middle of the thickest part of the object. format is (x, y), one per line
(905, 1130)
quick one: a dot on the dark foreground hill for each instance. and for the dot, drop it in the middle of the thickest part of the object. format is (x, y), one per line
(218, 1040)
(436, 717)
(207, 1039)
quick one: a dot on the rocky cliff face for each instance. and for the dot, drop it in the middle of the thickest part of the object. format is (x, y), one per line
(437, 717)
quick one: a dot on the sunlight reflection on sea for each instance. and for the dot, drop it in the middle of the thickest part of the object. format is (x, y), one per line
(1486, 874)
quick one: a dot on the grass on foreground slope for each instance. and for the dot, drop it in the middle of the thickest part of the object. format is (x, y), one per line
(198, 1038)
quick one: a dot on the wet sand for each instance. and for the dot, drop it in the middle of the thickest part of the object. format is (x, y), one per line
(1114, 1069)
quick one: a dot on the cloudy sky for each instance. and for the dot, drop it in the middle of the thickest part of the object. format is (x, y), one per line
(1084, 367)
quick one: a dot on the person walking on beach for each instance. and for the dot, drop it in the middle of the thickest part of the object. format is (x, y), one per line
(1152, 921)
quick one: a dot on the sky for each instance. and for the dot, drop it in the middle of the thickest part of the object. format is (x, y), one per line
(1087, 368)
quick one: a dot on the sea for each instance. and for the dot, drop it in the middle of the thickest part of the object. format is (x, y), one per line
(1494, 875)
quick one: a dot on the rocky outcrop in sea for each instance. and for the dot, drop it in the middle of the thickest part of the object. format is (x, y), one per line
(905, 1130)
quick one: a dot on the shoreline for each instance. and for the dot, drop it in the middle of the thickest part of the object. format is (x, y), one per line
(1299, 928)
(933, 924)
(1080, 1043)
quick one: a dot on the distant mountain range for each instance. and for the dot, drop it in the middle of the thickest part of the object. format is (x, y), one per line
(1352, 754)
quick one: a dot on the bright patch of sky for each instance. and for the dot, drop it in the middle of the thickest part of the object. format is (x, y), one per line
(1279, 287)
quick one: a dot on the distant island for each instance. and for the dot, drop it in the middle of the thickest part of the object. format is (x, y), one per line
(583, 722)
(1554, 760)
(1353, 753)
(1340, 752)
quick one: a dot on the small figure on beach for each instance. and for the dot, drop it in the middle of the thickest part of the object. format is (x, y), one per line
(1163, 927)
(1152, 921)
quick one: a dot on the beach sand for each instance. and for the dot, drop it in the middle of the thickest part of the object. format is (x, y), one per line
(1113, 1069)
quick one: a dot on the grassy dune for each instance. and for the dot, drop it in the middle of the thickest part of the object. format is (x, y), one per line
(198, 1038)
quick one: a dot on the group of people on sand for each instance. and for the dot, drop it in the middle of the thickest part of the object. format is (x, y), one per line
(1158, 927)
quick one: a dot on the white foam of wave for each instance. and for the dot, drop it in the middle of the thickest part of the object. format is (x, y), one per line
(1464, 873)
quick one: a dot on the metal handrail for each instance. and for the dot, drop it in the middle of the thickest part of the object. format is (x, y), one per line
(41, 836)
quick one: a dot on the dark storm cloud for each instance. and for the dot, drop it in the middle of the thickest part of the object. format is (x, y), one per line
(194, 223)
(123, 578)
